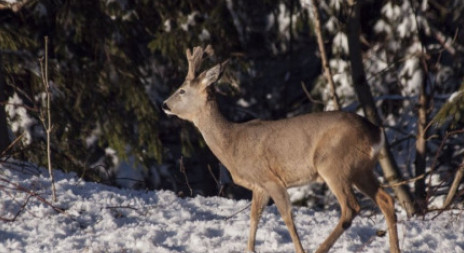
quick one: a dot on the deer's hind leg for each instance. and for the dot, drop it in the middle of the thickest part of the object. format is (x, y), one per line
(370, 186)
(349, 206)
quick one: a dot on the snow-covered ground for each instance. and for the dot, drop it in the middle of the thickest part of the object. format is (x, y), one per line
(99, 218)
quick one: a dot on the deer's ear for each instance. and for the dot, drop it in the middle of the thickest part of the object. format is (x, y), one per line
(211, 75)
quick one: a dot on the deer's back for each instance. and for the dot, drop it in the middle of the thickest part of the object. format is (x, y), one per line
(295, 148)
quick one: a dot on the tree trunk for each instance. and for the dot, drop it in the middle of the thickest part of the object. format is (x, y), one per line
(389, 166)
(421, 148)
(4, 137)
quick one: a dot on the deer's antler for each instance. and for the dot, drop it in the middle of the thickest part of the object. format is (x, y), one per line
(195, 59)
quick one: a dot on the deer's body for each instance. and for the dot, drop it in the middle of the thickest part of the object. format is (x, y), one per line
(268, 157)
(258, 150)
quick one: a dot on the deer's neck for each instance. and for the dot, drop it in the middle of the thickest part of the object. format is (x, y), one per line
(216, 130)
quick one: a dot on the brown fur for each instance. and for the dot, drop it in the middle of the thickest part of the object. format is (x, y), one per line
(268, 157)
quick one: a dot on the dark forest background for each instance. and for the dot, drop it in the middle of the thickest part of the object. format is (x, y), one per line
(112, 63)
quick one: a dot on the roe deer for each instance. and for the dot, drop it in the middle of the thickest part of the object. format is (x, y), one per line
(267, 157)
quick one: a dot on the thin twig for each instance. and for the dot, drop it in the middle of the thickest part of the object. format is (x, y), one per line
(407, 181)
(24, 95)
(32, 193)
(454, 186)
(219, 185)
(126, 207)
(442, 210)
(48, 124)
(239, 211)
(184, 172)
(18, 212)
(440, 148)
(122, 207)
(308, 94)
(212, 175)
(325, 63)
(432, 192)
(12, 144)
(28, 108)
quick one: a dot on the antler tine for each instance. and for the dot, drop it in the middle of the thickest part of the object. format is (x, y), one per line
(194, 60)
(191, 69)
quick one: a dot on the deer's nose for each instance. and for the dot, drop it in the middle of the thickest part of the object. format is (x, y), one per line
(165, 107)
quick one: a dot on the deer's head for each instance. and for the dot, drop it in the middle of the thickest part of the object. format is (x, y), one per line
(190, 98)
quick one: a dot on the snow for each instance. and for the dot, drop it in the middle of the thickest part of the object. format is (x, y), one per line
(407, 27)
(411, 76)
(340, 44)
(382, 27)
(20, 119)
(204, 35)
(336, 4)
(455, 96)
(284, 20)
(100, 218)
(332, 24)
(190, 22)
(391, 11)
(167, 25)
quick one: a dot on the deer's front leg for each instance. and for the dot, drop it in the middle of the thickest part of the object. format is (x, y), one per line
(258, 202)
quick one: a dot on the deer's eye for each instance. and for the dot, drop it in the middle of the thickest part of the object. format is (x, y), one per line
(181, 91)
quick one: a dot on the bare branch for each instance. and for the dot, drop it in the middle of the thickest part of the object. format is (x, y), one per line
(239, 211)
(184, 172)
(12, 144)
(48, 124)
(308, 95)
(454, 186)
(325, 63)
(31, 194)
(403, 182)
